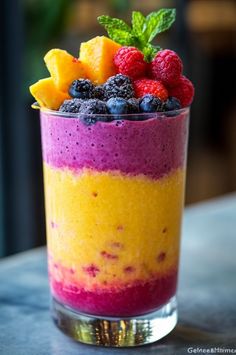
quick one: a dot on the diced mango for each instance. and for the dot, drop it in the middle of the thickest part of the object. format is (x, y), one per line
(64, 68)
(47, 95)
(98, 54)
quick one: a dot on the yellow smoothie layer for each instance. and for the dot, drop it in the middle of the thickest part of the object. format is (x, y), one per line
(128, 227)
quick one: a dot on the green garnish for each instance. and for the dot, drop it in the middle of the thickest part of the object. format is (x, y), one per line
(142, 31)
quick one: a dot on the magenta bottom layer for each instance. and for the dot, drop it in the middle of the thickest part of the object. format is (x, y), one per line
(141, 298)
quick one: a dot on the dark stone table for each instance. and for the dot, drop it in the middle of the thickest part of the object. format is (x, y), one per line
(207, 293)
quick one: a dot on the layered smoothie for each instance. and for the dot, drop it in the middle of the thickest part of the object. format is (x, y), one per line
(114, 126)
(114, 197)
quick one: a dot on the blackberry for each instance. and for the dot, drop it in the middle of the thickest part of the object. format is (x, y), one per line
(150, 103)
(72, 106)
(133, 105)
(99, 92)
(82, 89)
(93, 107)
(117, 106)
(119, 86)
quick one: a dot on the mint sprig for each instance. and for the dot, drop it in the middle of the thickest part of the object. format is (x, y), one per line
(142, 32)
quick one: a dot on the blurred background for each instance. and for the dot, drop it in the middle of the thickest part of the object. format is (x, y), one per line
(204, 35)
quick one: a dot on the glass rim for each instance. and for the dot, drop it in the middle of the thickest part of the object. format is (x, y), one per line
(166, 114)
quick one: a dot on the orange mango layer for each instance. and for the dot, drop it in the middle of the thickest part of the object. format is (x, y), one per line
(127, 227)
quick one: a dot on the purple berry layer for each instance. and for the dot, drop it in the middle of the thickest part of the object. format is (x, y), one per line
(137, 299)
(153, 147)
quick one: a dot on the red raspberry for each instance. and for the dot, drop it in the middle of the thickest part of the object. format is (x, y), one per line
(183, 91)
(148, 86)
(130, 61)
(167, 67)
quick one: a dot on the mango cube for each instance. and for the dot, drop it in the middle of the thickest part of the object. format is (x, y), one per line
(64, 68)
(47, 94)
(98, 54)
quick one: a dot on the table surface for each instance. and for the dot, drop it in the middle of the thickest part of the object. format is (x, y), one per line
(207, 293)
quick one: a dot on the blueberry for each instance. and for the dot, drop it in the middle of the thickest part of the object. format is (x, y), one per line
(150, 103)
(117, 106)
(133, 105)
(82, 89)
(172, 103)
(72, 106)
(118, 86)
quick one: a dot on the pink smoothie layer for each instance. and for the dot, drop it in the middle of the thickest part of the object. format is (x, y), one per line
(153, 147)
(136, 299)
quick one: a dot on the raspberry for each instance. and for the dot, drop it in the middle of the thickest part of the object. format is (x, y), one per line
(183, 91)
(118, 86)
(167, 67)
(148, 86)
(130, 61)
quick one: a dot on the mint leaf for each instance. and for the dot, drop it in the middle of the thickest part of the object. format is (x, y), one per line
(157, 22)
(117, 30)
(138, 23)
(143, 30)
(115, 23)
(150, 51)
(120, 36)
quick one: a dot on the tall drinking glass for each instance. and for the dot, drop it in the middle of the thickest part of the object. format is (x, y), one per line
(114, 194)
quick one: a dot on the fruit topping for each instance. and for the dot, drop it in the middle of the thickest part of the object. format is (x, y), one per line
(82, 89)
(167, 67)
(72, 106)
(117, 106)
(148, 86)
(150, 103)
(98, 54)
(123, 74)
(93, 106)
(119, 86)
(91, 109)
(99, 92)
(172, 104)
(184, 91)
(133, 105)
(64, 68)
(47, 95)
(130, 61)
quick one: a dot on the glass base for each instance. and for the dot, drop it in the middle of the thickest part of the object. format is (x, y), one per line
(115, 331)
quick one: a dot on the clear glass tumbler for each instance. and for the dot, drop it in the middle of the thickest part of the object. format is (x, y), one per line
(114, 194)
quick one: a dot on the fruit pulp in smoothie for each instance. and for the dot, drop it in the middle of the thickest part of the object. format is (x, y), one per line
(114, 198)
